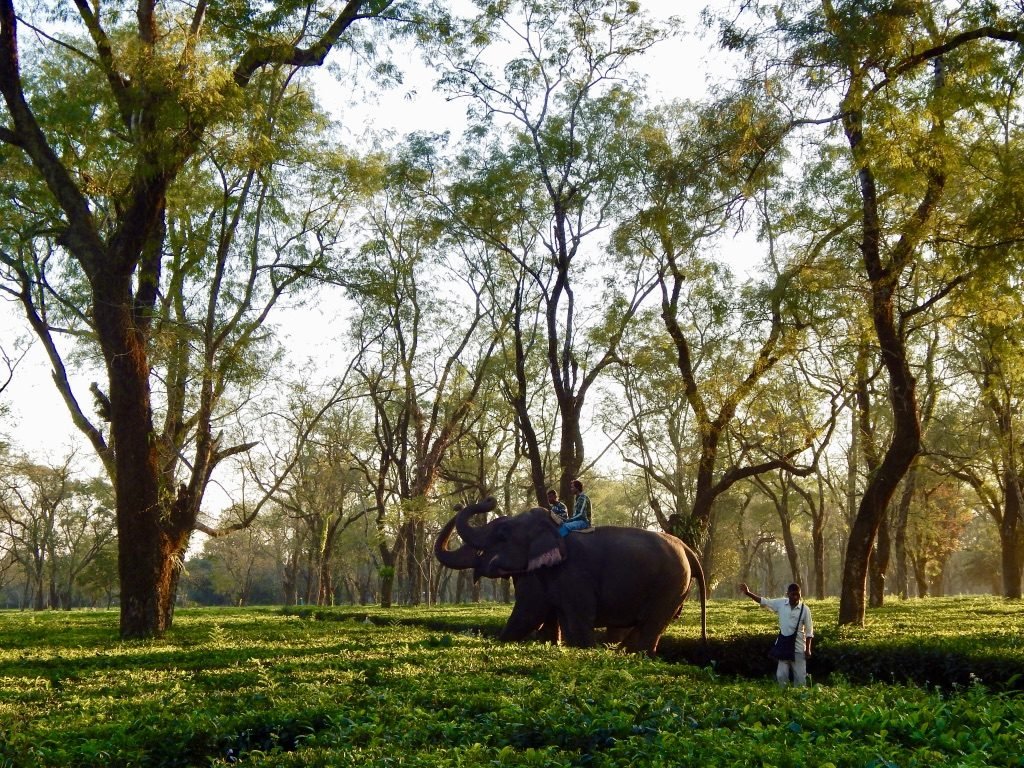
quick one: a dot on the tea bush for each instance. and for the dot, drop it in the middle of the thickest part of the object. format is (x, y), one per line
(947, 642)
(430, 687)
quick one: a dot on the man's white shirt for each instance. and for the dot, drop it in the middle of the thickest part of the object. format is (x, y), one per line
(789, 618)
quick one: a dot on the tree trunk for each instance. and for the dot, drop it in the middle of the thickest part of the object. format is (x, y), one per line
(818, 542)
(148, 559)
(414, 561)
(905, 444)
(519, 398)
(902, 586)
(570, 452)
(921, 577)
(787, 537)
(1010, 539)
(818, 539)
(904, 448)
(389, 559)
(149, 566)
(387, 586)
(290, 578)
(698, 527)
(39, 600)
(879, 564)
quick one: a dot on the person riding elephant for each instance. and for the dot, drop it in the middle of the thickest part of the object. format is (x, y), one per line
(632, 581)
(582, 511)
(556, 506)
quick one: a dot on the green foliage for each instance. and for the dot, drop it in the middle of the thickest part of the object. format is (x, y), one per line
(425, 686)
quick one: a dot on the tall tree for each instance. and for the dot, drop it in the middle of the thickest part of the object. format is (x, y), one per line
(649, 418)
(555, 124)
(427, 339)
(979, 441)
(938, 518)
(700, 167)
(324, 489)
(898, 80)
(162, 84)
(987, 341)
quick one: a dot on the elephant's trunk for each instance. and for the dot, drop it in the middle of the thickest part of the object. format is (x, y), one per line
(458, 559)
(475, 537)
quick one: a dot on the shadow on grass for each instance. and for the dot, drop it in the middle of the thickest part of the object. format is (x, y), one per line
(939, 663)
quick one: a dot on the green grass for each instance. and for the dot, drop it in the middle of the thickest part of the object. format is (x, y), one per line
(428, 686)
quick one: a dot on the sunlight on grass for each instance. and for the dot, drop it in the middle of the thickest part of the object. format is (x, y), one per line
(429, 686)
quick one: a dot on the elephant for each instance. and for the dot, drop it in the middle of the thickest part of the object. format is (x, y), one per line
(629, 580)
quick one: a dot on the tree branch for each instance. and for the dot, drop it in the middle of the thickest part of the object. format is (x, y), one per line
(981, 33)
(60, 377)
(7, 136)
(283, 53)
(28, 135)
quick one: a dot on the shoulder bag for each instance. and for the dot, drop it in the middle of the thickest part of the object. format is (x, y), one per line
(784, 648)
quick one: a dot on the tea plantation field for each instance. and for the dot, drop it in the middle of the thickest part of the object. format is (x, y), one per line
(925, 683)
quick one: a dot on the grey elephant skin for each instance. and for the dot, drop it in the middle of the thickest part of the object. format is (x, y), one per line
(632, 581)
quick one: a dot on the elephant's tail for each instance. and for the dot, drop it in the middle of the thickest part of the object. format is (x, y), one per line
(698, 573)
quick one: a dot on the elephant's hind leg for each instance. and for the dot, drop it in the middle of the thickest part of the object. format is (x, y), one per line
(576, 631)
(643, 639)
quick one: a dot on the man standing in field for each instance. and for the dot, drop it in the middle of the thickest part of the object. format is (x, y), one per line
(794, 618)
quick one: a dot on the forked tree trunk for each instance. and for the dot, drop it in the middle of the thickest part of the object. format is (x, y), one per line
(905, 446)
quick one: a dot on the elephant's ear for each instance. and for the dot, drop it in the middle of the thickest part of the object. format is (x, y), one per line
(545, 547)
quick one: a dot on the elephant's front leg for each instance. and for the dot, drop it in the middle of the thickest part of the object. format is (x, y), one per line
(576, 615)
(577, 632)
(548, 632)
(532, 611)
(527, 616)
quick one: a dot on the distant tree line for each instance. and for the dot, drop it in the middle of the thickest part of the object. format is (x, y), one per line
(57, 536)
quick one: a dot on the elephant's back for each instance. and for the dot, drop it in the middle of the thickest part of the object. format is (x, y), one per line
(613, 534)
(619, 548)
